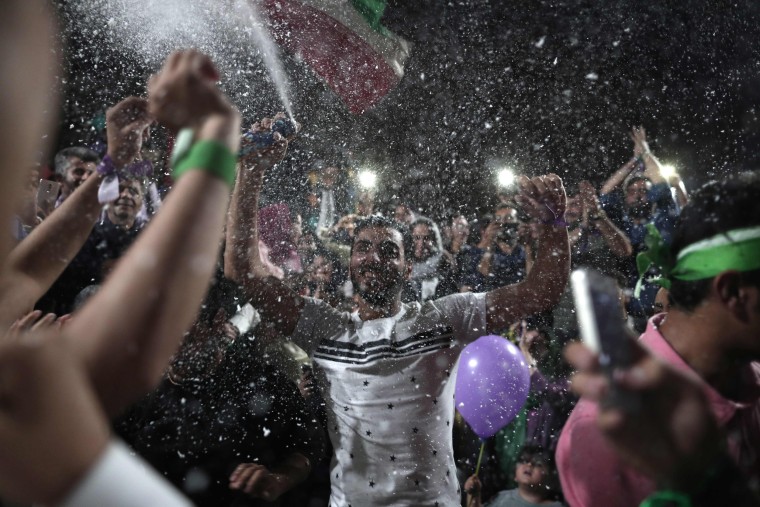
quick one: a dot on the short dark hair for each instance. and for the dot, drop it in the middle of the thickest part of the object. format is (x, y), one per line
(430, 224)
(633, 178)
(551, 479)
(717, 207)
(62, 162)
(385, 222)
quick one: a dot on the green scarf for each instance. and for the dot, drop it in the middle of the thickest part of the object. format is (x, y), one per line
(736, 250)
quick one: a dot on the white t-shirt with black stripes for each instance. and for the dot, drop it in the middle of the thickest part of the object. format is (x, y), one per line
(389, 388)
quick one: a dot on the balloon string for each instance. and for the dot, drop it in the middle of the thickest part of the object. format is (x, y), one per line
(477, 470)
(480, 457)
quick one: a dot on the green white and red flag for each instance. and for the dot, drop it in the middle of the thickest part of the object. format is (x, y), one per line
(344, 43)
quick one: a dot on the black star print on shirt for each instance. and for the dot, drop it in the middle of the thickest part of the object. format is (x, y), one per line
(371, 484)
(366, 383)
(435, 401)
(416, 430)
(414, 379)
(345, 409)
(416, 482)
(369, 433)
(393, 458)
(435, 453)
(390, 406)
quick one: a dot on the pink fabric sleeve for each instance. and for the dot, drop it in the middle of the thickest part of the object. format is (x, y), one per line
(591, 473)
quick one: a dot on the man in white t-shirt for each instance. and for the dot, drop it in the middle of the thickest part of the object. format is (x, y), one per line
(385, 369)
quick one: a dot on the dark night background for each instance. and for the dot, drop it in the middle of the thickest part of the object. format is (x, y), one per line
(687, 70)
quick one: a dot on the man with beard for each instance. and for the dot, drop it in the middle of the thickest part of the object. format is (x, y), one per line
(385, 369)
(433, 268)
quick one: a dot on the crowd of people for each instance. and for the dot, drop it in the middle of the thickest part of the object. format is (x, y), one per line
(201, 348)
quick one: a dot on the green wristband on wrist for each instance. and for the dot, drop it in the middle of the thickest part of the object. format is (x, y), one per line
(667, 498)
(210, 156)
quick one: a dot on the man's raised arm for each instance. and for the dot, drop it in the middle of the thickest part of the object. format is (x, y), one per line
(543, 199)
(128, 331)
(277, 304)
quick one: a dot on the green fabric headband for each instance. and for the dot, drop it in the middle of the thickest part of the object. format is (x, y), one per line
(737, 250)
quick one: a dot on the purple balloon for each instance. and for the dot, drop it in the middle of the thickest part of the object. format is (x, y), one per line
(493, 381)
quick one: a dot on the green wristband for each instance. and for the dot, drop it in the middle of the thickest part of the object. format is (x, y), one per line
(666, 498)
(209, 156)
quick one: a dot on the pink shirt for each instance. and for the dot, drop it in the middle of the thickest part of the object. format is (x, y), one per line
(593, 476)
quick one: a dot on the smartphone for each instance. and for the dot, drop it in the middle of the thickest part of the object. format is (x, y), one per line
(47, 193)
(603, 327)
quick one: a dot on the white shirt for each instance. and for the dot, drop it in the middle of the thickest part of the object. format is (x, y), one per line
(389, 388)
(120, 479)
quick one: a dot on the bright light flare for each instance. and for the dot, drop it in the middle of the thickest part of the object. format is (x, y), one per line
(668, 170)
(506, 177)
(367, 179)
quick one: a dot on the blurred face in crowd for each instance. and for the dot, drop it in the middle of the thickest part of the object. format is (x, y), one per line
(313, 200)
(424, 242)
(296, 229)
(378, 265)
(306, 245)
(123, 211)
(330, 176)
(636, 201)
(403, 215)
(531, 471)
(505, 216)
(661, 301)
(460, 229)
(76, 173)
(364, 206)
(320, 270)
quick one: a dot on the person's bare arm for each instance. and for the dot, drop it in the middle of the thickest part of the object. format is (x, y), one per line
(26, 99)
(34, 265)
(131, 327)
(276, 302)
(640, 152)
(614, 238)
(652, 166)
(617, 178)
(682, 196)
(543, 198)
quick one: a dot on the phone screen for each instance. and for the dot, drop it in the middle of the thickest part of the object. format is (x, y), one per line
(47, 193)
(601, 317)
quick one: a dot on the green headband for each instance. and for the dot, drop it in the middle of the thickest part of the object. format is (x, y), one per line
(736, 250)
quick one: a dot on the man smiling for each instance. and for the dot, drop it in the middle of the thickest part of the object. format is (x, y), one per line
(385, 369)
(123, 211)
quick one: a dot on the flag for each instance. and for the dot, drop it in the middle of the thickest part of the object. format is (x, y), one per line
(344, 43)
